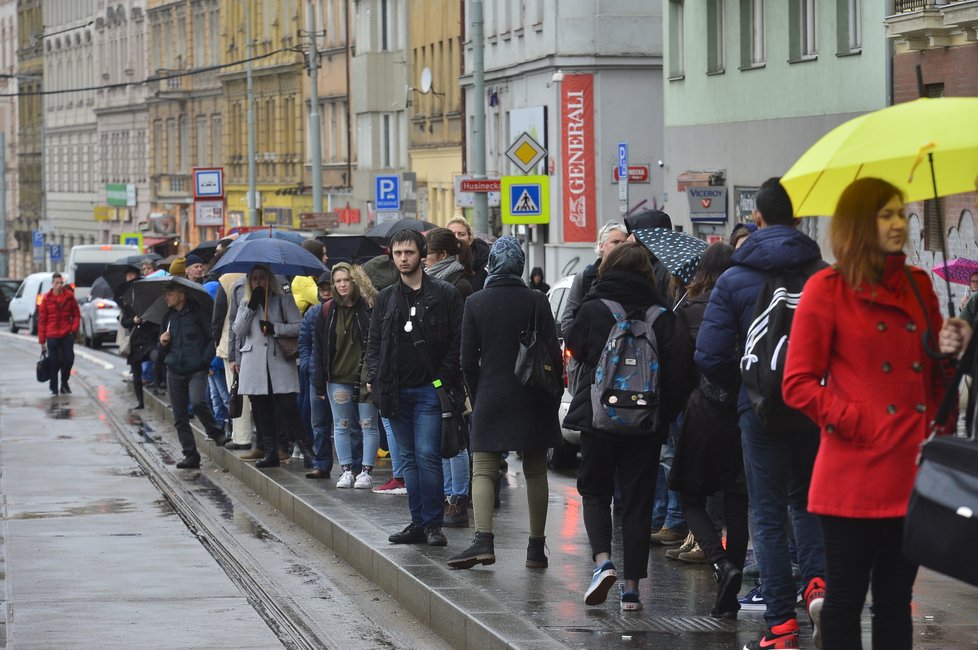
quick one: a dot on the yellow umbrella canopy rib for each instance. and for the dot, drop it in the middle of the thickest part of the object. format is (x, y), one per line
(891, 144)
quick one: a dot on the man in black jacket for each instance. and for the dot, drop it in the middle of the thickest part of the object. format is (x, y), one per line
(415, 338)
(186, 336)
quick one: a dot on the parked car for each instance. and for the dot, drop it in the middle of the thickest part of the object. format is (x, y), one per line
(8, 289)
(99, 321)
(23, 306)
(565, 455)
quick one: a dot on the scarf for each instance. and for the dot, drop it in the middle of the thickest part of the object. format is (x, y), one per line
(443, 269)
(505, 260)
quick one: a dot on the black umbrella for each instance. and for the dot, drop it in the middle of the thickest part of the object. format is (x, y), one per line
(137, 260)
(101, 288)
(355, 249)
(146, 296)
(114, 276)
(679, 253)
(388, 228)
(205, 250)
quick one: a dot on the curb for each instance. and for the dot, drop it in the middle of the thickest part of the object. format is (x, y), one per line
(464, 617)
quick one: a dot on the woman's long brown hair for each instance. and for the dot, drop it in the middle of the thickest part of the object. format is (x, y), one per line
(854, 234)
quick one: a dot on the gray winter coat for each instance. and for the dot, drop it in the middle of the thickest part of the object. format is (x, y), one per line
(259, 356)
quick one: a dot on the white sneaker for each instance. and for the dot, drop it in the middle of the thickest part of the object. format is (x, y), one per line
(346, 480)
(363, 482)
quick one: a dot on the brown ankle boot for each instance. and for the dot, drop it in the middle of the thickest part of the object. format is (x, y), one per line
(253, 455)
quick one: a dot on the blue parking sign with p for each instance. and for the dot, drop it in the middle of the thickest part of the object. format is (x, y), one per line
(55, 252)
(387, 193)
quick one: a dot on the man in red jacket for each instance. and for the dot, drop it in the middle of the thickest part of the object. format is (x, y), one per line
(58, 319)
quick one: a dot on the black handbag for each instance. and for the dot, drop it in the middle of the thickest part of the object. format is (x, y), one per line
(43, 367)
(236, 403)
(533, 367)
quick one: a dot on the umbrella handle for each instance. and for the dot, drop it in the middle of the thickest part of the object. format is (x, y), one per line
(931, 352)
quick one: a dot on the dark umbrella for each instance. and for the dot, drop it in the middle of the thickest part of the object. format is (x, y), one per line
(282, 257)
(136, 260)
(385, 230)
(355, 249)
(146, 296)
(271, 233)
(101, 288)
(205, 250)
(679, 253)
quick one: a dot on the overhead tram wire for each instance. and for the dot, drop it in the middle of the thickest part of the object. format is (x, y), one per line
(125, 84)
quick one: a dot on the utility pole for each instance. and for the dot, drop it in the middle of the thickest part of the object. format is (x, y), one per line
(252, 172)
(315, 143)
(4, 254)
(479, 113)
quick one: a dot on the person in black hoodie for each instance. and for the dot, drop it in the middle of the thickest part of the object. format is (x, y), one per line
(625, 276)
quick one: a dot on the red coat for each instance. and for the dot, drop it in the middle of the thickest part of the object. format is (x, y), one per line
(57, 315)
(880, 392)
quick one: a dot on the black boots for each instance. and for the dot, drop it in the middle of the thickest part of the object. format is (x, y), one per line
(481, 552)
(536, 556)
(189, 462)
(728, 578)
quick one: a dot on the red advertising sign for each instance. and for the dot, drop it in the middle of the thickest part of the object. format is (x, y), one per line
(577, 145)
(480, 185)
(636, 174)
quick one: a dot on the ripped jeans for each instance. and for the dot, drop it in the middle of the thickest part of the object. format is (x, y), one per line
(345, 410)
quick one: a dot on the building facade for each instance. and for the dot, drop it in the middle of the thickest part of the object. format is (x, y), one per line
(280, 100)
(579, 77)
(8, 127)
(30, 129)
(123, 200)
(436, 120)
(940, 38)
(70, 146)
(185, 117)
(750, 86)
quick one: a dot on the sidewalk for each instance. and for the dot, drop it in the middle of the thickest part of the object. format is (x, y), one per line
(509, 606)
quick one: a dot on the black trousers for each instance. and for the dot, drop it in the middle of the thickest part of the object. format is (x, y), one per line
(859, 554)
(276, 420)
(701, 525)
(636, 461)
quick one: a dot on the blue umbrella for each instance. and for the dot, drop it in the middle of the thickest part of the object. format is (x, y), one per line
(272, 233)
(282, 257)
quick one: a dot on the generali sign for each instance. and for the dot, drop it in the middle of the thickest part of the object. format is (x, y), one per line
(577, 161)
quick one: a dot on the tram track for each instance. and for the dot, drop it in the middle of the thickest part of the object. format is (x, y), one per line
(285, 617)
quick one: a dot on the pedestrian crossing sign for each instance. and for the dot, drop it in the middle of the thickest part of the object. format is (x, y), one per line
(525, 199)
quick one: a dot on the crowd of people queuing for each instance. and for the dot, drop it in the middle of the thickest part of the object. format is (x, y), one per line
(822, 491)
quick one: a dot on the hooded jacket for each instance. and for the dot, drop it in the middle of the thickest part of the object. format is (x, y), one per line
(720, 342)
(589, 333)
(57, 315)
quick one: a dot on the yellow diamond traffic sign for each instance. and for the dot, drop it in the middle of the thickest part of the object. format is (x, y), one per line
(526, 152)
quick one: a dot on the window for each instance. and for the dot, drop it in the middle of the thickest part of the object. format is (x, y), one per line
(217, 155)
(677, 39)
(802, 42)
(157, 146)
(387, 128)
(850, 26)
(714, 36)
(751, 34)
(385, 25)
(184, 145)
(201, 141)
(171, 145)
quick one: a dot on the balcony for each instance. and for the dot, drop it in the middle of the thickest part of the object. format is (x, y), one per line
(171, 186)
(171, 87)
(927, 24)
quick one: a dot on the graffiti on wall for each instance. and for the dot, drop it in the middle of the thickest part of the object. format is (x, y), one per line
(961, 242)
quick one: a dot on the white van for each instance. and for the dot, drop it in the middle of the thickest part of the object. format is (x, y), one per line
(23, 306)
(88, 262)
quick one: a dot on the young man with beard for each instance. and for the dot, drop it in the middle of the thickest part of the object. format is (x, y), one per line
(415, 338)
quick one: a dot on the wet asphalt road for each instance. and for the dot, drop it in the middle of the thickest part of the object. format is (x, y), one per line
(677, 596)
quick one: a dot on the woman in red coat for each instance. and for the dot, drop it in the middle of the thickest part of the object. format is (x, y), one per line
(857, 366)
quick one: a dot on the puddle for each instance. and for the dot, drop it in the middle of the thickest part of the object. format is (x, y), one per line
(99, 507)
(121, 471)
(207, 490)
(57, 410)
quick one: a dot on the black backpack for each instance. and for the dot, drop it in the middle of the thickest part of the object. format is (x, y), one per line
(766, 345)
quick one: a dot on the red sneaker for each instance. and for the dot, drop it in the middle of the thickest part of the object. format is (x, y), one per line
(393, 486)
(779, 637)
(814, 598)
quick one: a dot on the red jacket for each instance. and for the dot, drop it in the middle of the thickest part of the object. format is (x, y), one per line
(57, 315)
(881, 387)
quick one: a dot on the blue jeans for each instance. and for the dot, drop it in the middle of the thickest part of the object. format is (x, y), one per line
(322, 423)
(345, 413)
(779, 470)
(456, 471)
(667, 511)
(417, 429)
(397, 468)
(217, 386)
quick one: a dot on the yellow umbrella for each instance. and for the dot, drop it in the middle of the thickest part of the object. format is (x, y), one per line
(891, 144)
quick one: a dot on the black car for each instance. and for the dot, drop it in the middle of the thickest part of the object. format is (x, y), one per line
(8, 288)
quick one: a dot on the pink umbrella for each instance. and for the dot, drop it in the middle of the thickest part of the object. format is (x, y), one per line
(957, 270)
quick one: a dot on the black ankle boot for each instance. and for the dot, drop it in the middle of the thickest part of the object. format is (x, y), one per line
(481, 552)
(270, 459)
(536, 556)
(728, 578)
